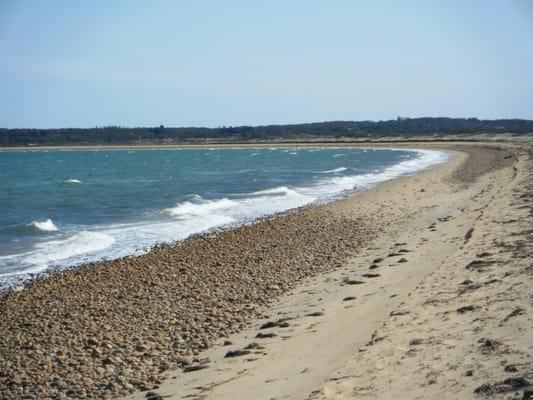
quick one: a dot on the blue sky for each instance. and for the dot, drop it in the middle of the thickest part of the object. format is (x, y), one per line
(213, 63)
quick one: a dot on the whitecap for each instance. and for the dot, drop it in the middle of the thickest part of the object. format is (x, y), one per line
(71, 180)
(188, 208)
(280, 190)
(333, 171)
(46, 225)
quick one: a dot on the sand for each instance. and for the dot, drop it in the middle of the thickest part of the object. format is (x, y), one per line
(375, 295)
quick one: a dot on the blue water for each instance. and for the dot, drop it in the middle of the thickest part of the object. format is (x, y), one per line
(62, 208)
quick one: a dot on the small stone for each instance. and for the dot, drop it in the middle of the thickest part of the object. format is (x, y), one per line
(273, 324)
(349, 281)
(87, 381)
(141, 347)
(153, 396)
(463, 309)
(262, 335)
(316, 314)
(236, 353)
(184, 360)
(195, 367)
(108, 361)
(253, 346)
(510, 368)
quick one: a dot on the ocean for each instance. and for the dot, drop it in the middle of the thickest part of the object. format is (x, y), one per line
(63, 208)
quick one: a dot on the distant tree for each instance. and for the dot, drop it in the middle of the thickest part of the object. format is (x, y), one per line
(354, 129)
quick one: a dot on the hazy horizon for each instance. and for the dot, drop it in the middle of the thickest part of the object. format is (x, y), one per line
(132, 64)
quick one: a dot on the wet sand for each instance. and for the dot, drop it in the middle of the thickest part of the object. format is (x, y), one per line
(163, 323)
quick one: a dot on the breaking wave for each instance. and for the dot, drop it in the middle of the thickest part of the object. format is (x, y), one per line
(45, 226)
(333, 171)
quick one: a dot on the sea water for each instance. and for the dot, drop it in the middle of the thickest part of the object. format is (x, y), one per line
(63, 208)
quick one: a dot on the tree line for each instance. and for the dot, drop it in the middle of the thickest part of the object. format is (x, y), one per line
(326, 130)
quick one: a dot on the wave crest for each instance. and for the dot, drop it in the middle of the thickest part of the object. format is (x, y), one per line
(277, 191)
(188, 208)
(333, 171)
(45, 226)
(82, 242)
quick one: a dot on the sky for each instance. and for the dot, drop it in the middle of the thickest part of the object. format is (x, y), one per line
(77, 63)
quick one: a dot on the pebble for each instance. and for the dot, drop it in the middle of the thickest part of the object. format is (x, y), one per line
(107, 328)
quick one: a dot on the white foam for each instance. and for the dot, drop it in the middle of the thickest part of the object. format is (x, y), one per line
(188, 208)
(333, 171)
(69, 251)
(338, 185)
(271, 201)
(338, 155)
(81, 243)
(46, 226)
(280, 190)
(70, 180)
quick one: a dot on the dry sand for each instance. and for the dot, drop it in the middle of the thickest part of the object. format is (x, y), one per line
(375, 295)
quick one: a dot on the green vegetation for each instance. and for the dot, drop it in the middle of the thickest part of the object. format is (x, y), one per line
(411, 127)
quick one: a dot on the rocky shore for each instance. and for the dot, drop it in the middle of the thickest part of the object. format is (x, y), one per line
(112, 328)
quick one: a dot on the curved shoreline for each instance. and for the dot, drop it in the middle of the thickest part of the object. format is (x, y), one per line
(405, 317)
(122, 323)
(16, 280)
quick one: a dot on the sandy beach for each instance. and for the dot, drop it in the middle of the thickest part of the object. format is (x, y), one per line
(417, 288)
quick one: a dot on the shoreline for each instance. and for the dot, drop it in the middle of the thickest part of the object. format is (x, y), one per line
(313, 249)
(378, 142)
(19, 280)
